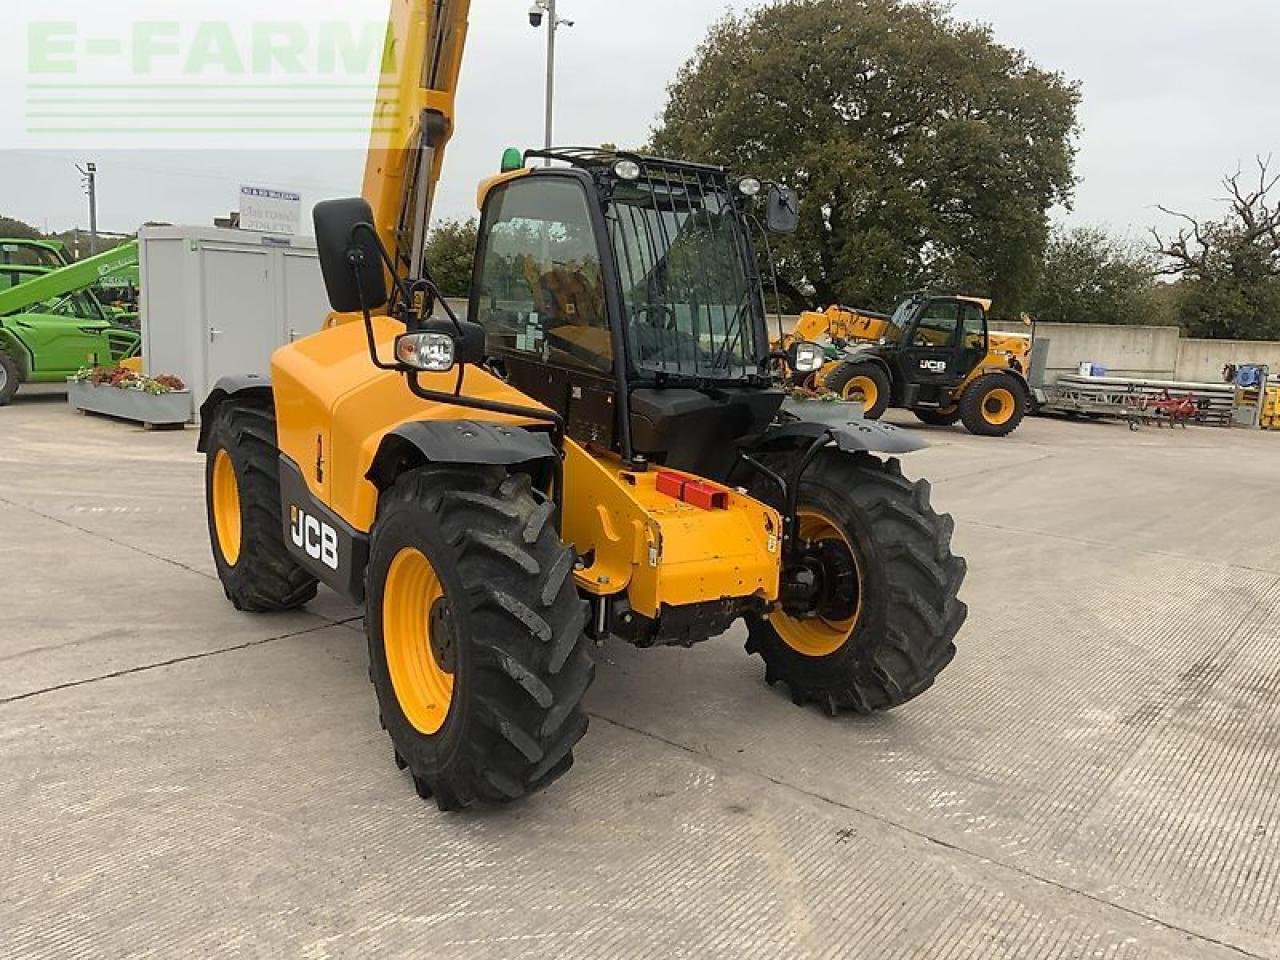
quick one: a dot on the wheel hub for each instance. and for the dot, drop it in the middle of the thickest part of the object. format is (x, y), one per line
(444, 646)
(838, 583)
(821, 590)
(822, 584)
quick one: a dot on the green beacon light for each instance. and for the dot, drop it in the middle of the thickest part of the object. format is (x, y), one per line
(512, 159)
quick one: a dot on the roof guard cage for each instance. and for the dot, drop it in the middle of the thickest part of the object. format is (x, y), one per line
(591, 157)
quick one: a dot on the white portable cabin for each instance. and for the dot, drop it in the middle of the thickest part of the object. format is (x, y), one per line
(216, 302)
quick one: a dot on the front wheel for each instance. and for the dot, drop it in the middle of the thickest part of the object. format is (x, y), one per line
(477, 647)
(886, 609)
(865, 381)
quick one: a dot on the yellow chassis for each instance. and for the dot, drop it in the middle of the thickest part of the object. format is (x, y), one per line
(334, 410)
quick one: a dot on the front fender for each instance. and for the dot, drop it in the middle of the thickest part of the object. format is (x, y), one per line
(808, 420)
(456, 441)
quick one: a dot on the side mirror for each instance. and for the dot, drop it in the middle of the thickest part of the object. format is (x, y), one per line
(783, 215)
(350, 255)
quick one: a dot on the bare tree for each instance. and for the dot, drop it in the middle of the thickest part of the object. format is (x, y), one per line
(1229, 268)
(1202, 248)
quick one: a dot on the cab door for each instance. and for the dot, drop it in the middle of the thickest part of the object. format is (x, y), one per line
(539, 292)
(974, 341)
(931, 348)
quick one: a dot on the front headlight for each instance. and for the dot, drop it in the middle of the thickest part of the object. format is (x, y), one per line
(429, 352)
(807, 357)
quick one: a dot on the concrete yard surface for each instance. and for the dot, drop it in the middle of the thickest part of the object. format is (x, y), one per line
(1096, 775)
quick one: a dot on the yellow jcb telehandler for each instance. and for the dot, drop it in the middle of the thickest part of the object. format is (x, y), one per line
(934, 355)
(596, 450)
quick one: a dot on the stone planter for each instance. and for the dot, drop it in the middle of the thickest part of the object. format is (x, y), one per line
(167, 409)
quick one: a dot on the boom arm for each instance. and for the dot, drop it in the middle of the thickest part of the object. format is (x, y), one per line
(841, 323)
(413, 121)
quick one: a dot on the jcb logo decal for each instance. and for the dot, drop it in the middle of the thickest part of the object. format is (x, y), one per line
(317, 539)
(934, 366)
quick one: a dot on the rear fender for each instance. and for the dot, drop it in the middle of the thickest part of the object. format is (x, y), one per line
(460, 441)
(987, 369)
(243, 385)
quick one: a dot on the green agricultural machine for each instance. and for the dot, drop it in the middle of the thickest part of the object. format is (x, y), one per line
(52, 323)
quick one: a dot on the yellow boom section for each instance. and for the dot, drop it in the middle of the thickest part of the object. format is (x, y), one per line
(413, 121)
(840, 323)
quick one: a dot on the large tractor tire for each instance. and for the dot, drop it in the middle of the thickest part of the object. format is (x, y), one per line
(867, 381)
(242, 500)
(993, 405)
(938, 418)
(477, 649)
(10, 378)
(889, 612)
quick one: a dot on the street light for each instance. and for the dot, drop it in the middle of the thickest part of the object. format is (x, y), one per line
(546, 10)
(89, 180)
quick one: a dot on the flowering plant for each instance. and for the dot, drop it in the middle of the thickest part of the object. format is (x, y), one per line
(125, 379)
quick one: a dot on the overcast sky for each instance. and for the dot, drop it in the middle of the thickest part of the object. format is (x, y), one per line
(1176, 93)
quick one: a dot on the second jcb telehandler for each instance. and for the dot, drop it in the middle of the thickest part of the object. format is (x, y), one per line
(596, 450)
(934, 355)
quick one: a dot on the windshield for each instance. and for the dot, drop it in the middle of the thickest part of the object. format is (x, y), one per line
(690, 302)
(79, 305)
(901, 319)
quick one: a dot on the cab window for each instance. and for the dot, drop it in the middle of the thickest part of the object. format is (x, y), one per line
(76, 306)
(937, 326)
(539, 289)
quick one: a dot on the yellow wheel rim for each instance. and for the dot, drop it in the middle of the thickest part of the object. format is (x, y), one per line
(226, 507)
(998, 406)
(863, 387)
(819, 637)
(418, 640)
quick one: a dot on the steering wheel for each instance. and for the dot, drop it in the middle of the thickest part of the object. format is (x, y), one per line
(648, 309)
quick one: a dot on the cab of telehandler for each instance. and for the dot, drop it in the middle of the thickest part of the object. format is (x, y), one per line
(623, 292)
(937, 342)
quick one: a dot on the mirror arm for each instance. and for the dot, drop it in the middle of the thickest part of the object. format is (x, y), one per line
(387, 262)
(368, 328)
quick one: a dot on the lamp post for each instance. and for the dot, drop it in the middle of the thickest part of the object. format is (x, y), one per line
(546, 10)
(89, 173)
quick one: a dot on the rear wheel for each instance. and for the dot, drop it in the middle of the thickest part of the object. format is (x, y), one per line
(993, 405)
(865, 381)
(10, 378)
(938, 418)
(886, 611)
(242, 497)
(477, 648)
